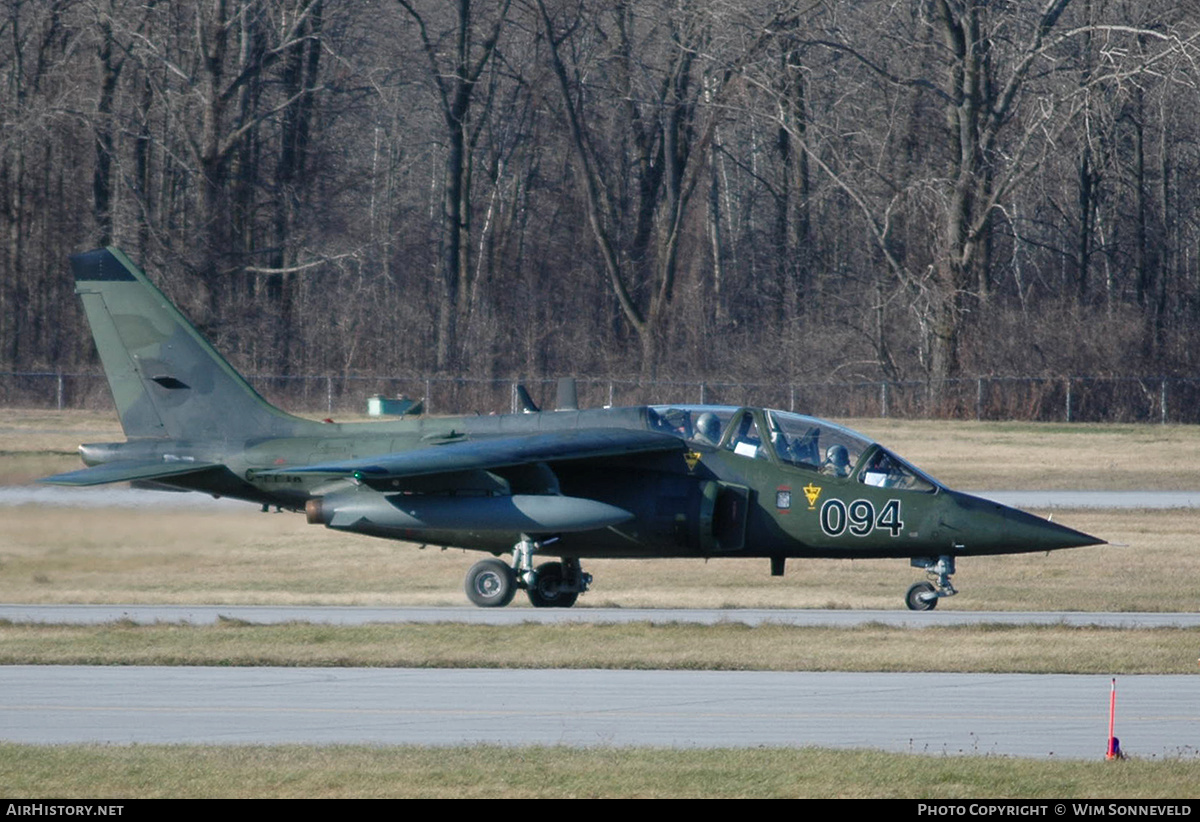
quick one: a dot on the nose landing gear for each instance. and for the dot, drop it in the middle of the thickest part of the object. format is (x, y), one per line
(924, 596)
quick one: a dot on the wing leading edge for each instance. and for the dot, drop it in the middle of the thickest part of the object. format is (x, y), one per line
(502, 452)
(127, 471)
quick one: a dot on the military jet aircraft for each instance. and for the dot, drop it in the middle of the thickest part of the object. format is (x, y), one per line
(570, 484)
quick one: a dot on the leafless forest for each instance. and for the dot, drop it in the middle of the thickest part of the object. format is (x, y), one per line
(748, 190)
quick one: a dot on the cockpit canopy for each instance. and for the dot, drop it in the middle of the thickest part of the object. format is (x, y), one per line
(807, 443)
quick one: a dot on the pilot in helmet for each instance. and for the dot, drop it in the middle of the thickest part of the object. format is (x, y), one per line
(837, 461)
(708, 428)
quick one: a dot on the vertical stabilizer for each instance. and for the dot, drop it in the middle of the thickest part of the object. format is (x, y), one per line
(166, 380)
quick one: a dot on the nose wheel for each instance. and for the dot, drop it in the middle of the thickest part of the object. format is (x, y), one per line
(924, 596)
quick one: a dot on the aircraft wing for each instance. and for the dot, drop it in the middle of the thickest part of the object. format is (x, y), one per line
(127, 471)
(499, 452)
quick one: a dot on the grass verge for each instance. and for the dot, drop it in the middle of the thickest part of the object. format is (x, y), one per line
(668, 646)
(188, 771)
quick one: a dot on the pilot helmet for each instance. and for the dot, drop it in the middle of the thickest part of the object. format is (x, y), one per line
(838, 457)
(709, 427)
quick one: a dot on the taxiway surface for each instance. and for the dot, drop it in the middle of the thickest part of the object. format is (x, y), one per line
(1013, 714)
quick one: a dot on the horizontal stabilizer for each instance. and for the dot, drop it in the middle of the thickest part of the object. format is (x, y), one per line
(127, 471)
(551, 446)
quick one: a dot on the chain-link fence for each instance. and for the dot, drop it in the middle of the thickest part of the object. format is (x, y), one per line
(1046, 399)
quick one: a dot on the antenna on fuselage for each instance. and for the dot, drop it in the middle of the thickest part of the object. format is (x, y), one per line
(525, 402)
(567, 398)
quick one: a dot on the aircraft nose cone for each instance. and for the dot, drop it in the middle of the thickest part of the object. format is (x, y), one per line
(1042, 534)
(989, 527)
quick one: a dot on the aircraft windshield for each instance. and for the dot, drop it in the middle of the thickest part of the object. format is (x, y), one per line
(885, 470)
(816, 444)
(805, 442)
(744, 437)
(698, 424)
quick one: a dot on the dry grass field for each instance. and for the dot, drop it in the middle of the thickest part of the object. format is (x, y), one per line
(979, 456)
(664, 645)
(493, 772)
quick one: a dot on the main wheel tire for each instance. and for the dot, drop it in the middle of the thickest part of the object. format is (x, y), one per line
(546, 591)
(491, 584)
(920, 597)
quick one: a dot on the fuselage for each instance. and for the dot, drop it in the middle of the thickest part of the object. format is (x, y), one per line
(743, 482)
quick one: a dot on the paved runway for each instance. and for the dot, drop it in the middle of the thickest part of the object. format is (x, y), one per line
(1026, 715)
(1017, 714)
(347, 615)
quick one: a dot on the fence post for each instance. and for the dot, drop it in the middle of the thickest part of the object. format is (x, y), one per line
(978, 398)
(59, 397)
(883, 409)
(1162, 402)
(704, 393)
(792, 401)
(329, 394)
(1068, 399)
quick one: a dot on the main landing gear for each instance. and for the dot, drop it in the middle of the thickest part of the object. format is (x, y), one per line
(492, 583)
(924, 596)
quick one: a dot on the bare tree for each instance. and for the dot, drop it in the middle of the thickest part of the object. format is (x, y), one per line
(994, 73)
(458, 55)
(666, 85)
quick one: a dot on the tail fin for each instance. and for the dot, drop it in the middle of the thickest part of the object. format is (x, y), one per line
(166, 379)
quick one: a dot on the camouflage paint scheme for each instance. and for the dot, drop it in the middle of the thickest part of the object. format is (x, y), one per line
(640, 482)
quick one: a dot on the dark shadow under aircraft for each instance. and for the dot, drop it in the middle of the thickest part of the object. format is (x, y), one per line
(570, 484)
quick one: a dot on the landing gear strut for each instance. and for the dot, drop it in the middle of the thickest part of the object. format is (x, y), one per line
(924, 596)
(492, 584)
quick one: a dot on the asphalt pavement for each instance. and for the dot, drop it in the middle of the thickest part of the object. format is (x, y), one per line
(1027, 715)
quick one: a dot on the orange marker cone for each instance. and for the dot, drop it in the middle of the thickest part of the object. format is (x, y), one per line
(1114, 744)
